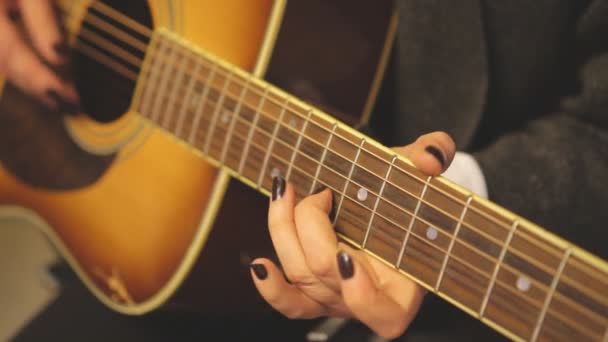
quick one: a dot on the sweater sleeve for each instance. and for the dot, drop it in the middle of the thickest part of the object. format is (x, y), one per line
(554, 171)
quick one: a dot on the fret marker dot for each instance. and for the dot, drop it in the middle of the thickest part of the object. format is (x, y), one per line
(293, 123)
(275, 172)
(226, 115)
(523, 284)
(431, 233)
(362, 194)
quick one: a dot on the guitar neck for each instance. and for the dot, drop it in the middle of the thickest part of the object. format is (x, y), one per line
(506, 271)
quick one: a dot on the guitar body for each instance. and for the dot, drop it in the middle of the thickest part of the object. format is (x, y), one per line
(132, 209)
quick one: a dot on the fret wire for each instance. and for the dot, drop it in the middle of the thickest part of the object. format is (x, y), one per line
(474, 209)
(549, 297)
(216, 114)
(569, 322)
(360, 166)
(380, 192)
(285, 144)
(348, 179)
(372, 153)
(325, 147)
(447, 214)
(235, 115)
(182, 114)
(362, 206)
(173, 94)
(272, 139)
(482, 254)
(501, 257)
(411, 225)
(199, 109)
(357, 184)
(251, 130)
(464, 262)
(298, 142)
(154, 74)
(359, 204)
(397, 166)
(544, 267)
(483, 214)
(583, 265)
(452, 241)
(458, 201)
(156, 111)
(572, 304)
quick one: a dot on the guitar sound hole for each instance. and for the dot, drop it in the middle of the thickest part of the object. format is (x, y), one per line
(105, 93)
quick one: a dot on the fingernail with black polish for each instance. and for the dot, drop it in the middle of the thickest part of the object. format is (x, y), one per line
(62, 49)
(435, 152)
(319, 190)
(278, 187)
(332, 212)
(259, 270)
(345, 265)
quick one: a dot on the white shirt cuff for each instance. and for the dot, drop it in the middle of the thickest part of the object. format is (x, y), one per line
(465, 171)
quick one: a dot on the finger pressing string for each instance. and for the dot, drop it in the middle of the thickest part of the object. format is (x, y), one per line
(317, 237)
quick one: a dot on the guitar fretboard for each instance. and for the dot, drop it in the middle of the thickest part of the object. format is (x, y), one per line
(491, 263)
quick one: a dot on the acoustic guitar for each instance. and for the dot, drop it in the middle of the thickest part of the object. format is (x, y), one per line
(192, 106)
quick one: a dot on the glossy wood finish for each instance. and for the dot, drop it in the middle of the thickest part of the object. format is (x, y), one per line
(328, 52)
(130, 224)
(134, 224)
(506, 271)
(492, 263)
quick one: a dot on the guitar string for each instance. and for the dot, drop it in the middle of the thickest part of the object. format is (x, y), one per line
(535, 303)
(236, 114)
(527, 299)
(389, 182)
(372, 173)
(416, 197)
(483, 273)
(448, 214)
(498, 242)
(147, 32)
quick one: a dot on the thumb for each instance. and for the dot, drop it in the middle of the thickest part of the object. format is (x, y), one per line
(431, 153)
